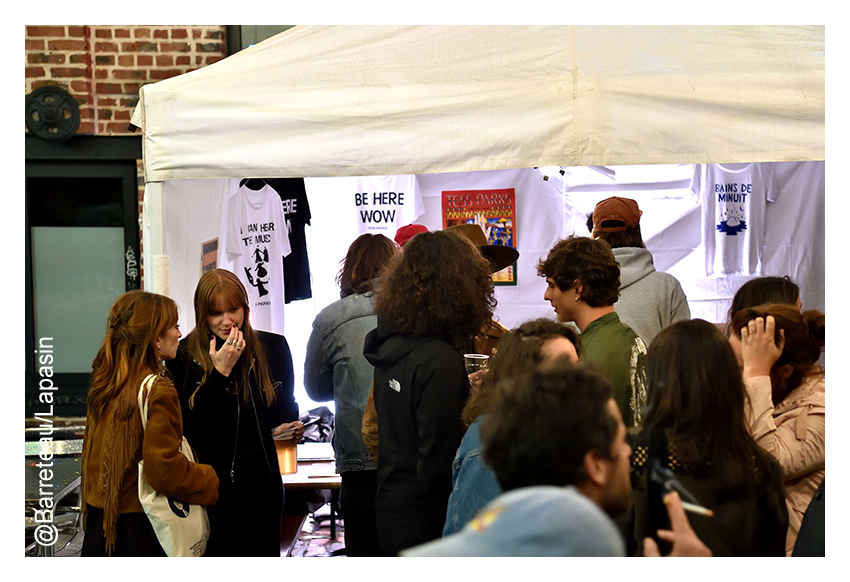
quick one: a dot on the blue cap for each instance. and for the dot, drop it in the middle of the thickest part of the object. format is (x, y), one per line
(531, 522)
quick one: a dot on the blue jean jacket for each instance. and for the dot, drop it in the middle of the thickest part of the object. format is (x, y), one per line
(474, 484)
(335, 369)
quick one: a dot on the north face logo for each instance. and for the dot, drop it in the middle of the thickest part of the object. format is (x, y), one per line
(394, 384)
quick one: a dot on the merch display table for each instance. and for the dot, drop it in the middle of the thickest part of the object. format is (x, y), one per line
(316, 470)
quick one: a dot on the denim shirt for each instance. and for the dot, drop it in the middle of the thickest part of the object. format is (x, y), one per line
(335, 369)
(474, 484)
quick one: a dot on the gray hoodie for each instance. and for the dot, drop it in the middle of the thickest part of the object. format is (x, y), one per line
(649, 300)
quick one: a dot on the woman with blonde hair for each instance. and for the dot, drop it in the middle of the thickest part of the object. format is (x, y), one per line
(778, 348)
(236, 387)
(142, 333)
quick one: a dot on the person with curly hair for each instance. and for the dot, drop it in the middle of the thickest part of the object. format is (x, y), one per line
(583, 282)
(432, 300)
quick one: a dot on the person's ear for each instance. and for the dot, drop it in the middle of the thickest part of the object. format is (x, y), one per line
(784, 372)
(578, 287)
(596, 468)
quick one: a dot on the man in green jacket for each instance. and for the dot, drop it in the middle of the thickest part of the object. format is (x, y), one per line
(583, 282)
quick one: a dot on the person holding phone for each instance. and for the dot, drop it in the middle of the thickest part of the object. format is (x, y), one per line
(236, 389)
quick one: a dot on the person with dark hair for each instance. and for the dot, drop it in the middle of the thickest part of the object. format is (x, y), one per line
(556, 441)
(141, 334)
(335, 369)
(778, 348)
(474, 484)
(236, 389)
(695, 427)
(432, 300)
(764, 291)
(583, 279)
(649, 300)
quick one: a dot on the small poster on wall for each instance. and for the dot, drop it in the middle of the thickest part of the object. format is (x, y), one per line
(494, 211)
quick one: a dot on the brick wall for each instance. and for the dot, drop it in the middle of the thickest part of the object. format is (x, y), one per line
(103, 67)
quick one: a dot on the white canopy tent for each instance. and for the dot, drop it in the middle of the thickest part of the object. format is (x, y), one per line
(342, 100)
(446, 102)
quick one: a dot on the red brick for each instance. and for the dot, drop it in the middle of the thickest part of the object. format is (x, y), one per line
(30, 72)
(164, 60)
(44, 59)
(102, 33)
(85, 129)
(129, 75)
(77, 31)
(81, 86)
(142, 32)
(160, 74)
(108, 101)
(46, 31)
(122, 33)
(32, 44)
(215, 59)
(122, 114)
(183, 60)
(160, 34)
(83, 59)
(175, 47)
(66, 45)
(145, 60)
(104, 113)
(105, 47)
(101, 74)
(138, 46)
(105, 60)
(68, 72)
(108, 88)
(128, 60)
(179, 33)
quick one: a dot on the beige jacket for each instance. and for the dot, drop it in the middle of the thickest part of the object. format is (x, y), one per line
(794, 432)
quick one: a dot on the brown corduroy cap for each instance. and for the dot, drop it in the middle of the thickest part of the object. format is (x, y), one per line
(623, 210)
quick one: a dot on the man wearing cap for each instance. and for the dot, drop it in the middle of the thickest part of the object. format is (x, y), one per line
(556, 442)
(583, 280)
(649, 300)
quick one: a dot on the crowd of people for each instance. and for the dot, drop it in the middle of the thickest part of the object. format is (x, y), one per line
(619, 427)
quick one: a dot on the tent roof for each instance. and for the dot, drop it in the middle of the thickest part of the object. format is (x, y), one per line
(378, 100)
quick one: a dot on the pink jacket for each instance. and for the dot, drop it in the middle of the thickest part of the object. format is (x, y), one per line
(794, 432)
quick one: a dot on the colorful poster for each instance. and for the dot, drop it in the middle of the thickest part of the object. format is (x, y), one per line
(494, 211)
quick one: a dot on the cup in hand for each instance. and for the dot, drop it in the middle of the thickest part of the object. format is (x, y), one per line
(287, 453)
(475, 362)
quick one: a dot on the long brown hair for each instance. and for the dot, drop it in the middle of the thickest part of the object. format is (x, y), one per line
(439, 284)
(696, 392)
(519, 350)
(221, 290)
(367, 256)
(805, 337)
(136, 320)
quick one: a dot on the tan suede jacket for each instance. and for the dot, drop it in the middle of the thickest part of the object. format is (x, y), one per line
(122, 444)
(794, 433)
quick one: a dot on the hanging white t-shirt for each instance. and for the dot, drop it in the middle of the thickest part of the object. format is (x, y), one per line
(255, 241)
(734, 198)
(386, 203)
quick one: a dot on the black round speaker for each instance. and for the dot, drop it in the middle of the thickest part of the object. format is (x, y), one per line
(52, 113)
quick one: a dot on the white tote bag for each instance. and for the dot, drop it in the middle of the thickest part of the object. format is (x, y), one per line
(181, 528)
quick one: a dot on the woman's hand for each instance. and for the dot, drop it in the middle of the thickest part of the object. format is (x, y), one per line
(225, 358)
(758, 348)
(475, 380)
(297, 430)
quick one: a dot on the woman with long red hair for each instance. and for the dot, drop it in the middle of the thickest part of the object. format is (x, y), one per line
(236, 388)
(141, 334)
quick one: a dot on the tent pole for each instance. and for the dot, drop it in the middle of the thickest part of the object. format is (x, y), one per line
(155, 261)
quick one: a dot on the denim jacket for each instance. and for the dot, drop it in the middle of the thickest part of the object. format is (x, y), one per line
(335, 369)
(474, 484)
